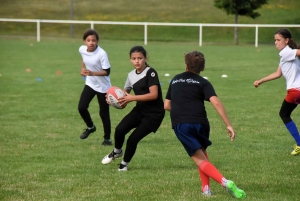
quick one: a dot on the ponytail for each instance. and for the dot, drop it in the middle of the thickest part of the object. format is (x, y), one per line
(292, 44)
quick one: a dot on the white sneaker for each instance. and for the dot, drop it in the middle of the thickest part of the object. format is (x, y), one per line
(122, 167)
(110, 157)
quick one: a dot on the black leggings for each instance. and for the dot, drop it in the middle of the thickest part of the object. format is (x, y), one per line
(132, 120)
(86, 97)
(286, 111)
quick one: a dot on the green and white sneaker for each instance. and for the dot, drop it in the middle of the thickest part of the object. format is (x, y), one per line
(234, 190)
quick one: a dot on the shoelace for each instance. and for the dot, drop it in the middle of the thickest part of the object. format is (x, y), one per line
(111, 155)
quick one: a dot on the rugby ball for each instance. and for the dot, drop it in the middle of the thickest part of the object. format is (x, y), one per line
(112, 95)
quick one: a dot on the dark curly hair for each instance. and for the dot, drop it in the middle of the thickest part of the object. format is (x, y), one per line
(90, 32)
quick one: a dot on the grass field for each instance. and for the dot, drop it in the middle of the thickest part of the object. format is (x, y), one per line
(43, 158)
(176, 11)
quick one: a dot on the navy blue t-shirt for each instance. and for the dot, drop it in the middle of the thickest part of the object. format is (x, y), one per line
(187, 92)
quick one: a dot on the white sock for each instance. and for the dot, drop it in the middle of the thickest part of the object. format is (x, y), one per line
(124, 163)
(206, 188)
(224, 182)
(91, 127)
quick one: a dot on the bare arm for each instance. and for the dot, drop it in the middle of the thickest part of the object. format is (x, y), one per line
(298, 52)
(167, 104)
(152, 95)
(273, 76)
(82, 68)
(215, 101)
(86, 72)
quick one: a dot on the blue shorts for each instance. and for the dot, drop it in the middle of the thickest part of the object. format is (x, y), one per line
(193, 136)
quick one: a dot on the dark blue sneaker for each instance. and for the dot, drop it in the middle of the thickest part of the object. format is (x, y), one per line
(107, 142)
(87, 132)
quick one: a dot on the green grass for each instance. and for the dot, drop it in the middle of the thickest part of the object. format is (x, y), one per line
(43, 158)
(276, 12)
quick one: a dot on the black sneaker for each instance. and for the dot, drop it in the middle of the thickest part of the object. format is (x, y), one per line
(122, 167)
(107, 142)
(87, 132)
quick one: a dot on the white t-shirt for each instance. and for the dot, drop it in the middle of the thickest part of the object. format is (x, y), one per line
(290, 67)
(96, 61)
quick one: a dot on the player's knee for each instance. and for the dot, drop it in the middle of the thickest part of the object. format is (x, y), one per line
(132, 142)
(104, 114)
(81, 108)
(284, 116)
(119, 131)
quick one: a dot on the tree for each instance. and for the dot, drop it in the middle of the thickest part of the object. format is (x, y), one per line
(240, 7)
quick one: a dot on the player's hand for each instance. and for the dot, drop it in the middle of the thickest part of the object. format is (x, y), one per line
(123, 104)
(126, 99)
(85, 72)
(257, 83)
(106, 99)
(231, 133)
(82, 72)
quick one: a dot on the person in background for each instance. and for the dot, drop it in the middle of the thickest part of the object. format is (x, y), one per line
(95, 67)
(148, 112)
(289, 67)
(185, 101)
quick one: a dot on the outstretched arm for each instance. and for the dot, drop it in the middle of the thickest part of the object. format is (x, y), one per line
(273, 76)
(215, 101)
